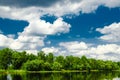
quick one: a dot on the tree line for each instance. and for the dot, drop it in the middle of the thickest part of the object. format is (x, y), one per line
(14, 60)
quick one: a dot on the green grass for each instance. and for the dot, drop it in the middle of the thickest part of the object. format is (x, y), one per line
(62, 71)
(12, 71)
(24, 71)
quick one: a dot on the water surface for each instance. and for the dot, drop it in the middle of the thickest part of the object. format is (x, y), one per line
(62, 76)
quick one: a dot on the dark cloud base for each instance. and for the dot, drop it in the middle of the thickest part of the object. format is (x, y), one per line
(28, 3)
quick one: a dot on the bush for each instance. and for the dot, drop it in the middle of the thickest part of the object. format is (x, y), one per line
(34, 65)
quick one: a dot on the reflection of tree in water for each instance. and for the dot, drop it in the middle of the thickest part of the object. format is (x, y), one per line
(57, 76)
(3, 76)
(94, 76)
(62, 76)
(17, 77)
(72, 76)
(38, 76)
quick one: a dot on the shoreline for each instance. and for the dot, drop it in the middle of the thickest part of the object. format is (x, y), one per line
(62, 71)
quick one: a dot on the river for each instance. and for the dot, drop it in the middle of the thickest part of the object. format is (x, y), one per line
(62, 76)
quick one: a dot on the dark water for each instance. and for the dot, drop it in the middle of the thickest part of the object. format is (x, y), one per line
(62, 76)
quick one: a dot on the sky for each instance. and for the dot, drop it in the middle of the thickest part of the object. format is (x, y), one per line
(63, 27)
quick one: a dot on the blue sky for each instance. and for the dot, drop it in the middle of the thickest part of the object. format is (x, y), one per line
(79, 27)
(84, 25)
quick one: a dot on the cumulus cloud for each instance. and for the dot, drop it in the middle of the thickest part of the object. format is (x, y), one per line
(110, 33)
(11, 35)
(24, 3)
(74, 45)
(22, 42)
(40, 27)
(50, 50)
(32, 38)
(46, 3)
(5, 41)
(76, 48)
(27, 43)
(37, 30)
(34, 34)
(57, 7)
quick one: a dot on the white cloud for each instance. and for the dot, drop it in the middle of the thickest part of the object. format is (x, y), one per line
(76, 6)
(29, 43)
(111, 3)
(50, 50)
(68, 7)
(74, 45)
(110, 33)
(103, 51)
(32, 38)
(34, 34)
(16, 45)
(11, 35)
(40, 27)
(5, 41)
(24, 42)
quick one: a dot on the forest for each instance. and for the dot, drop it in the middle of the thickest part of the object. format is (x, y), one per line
(14, 60)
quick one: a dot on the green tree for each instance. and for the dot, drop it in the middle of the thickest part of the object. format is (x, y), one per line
(31, 57)
(93, 63)
(5, 58)
(115, 66)
(50, 58)
(41, 55)
(68, 62)
(47, 66)
(56, 66)
(61, 60)
(34, 65)
(85, 63)
(100, 65)
(108, 65)
(76, 65)
(18, 58)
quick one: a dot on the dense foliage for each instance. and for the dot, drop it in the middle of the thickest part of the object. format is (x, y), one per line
(10, 59)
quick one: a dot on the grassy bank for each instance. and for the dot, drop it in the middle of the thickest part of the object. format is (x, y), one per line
(62, 71)
(12, 71)
(24, 71)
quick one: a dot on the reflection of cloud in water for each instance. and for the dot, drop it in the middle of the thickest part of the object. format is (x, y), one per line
(9, 77)
(116, 79)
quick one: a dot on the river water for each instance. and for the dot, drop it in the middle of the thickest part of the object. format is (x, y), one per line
(62, 76)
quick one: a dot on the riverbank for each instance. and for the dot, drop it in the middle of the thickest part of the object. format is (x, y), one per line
(62, 71)
(24, 71)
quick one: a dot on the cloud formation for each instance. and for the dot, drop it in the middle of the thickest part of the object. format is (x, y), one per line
(34, 35)
(32, 38)
(110, 33)
(41, 27)
(53, 7)
(24, 3)
(5, 41)
(105, 51)
(76, 48)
